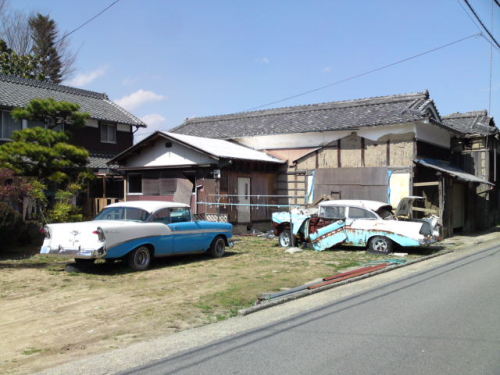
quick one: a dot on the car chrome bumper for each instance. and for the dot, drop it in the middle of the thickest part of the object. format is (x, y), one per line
(76, 253)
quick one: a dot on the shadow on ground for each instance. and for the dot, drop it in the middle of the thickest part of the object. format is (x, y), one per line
(121, 267)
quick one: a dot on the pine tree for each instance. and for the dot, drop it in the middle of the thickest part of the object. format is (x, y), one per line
(44, 35)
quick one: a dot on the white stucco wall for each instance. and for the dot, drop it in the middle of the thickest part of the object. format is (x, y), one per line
(158, 155)
(318, 139)
(93, 123)
(423, 131)
(433, 134)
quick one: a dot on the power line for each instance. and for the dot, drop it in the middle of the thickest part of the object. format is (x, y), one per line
(367, 72)
(482, 24)
(88, 21)
(497, 2)
(459, 2)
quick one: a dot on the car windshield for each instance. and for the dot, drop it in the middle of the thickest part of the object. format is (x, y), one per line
(123, 213)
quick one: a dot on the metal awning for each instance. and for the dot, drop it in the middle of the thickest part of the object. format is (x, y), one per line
(445, 167)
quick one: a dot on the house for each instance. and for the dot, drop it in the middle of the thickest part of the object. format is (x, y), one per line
(200, 171)
(108, 131)
(476, 152)
(381, 148)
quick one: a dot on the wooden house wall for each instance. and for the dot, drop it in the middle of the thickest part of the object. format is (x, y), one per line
(89, 138)
(355, 155)
(263, 181)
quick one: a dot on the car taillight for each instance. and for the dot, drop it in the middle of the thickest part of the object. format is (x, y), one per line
(100, 234)
(45, 231)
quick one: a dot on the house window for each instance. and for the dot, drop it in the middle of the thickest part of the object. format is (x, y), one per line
(108, 133)
(135, 184)
(8, 125)
(36, 123)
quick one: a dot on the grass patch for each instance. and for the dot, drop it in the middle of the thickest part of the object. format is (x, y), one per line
(175, 294)
(30, 351)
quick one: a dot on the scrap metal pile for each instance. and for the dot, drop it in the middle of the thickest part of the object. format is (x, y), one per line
(329, 281)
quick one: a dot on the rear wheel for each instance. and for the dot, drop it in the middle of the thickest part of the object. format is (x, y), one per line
(139, 259)
(380, 245)
(218, 247)
(285, 239)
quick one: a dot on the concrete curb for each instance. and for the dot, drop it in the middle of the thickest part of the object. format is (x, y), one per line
(308, 292)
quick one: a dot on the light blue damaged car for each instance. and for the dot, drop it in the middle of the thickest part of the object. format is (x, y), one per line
(362, 223)
(137, 231)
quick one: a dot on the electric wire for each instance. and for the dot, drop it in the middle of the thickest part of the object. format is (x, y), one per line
(87, 22)
(482, 24)
(367, 72)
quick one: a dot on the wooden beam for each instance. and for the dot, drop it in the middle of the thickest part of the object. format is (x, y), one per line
(429, 183)
(426, 210)
(388, 153)
(339, 154)
(363, 146)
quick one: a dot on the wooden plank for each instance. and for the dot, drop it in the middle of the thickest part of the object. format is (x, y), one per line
(426, 210)
(429, 183)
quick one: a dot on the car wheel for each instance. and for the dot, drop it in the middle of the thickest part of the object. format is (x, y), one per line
(218, 247)
(285, 239)
(380, 245)
(140, 258)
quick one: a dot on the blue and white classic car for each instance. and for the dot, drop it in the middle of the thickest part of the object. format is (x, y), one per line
(360, 223)
(137, 231)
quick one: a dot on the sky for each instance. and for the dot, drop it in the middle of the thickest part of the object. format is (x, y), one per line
(168, 60)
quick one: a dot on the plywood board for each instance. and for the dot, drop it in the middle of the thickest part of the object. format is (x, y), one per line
(399, 187)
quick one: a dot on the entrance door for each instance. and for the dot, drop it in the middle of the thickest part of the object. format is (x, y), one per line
(458, 206)
(244, 199)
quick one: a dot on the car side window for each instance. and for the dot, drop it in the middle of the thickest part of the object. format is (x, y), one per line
(162, 216)
(360, 213)
(180, 214)
(332, 212)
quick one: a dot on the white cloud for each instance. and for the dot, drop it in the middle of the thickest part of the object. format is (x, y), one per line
(153, 120)
(263, 60)
(327, 69)
(138, 98)
(83, 79)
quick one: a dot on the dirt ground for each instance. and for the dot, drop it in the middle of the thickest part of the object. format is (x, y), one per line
(50, 316)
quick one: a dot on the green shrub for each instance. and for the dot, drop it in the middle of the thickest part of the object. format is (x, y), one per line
(64, 212)
(11, 225)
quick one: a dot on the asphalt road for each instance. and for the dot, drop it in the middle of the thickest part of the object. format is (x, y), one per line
(445, 320)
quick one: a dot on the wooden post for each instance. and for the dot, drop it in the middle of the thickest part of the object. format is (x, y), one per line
(441, 198)
(104, 186)
(125, 188)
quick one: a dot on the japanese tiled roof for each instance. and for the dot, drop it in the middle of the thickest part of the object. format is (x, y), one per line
(475, 122)
(341, 115)
(99, 161)
(18, 92)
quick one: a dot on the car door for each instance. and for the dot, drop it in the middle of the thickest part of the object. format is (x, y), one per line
(360, 225)
(188, 235)
(164, 245)
(332, 234)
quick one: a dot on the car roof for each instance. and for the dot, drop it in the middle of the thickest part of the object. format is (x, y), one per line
(149, 206)
(371, 205)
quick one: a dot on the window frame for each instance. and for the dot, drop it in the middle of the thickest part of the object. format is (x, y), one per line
(5, 112)
(108, 125)
(128, 184)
